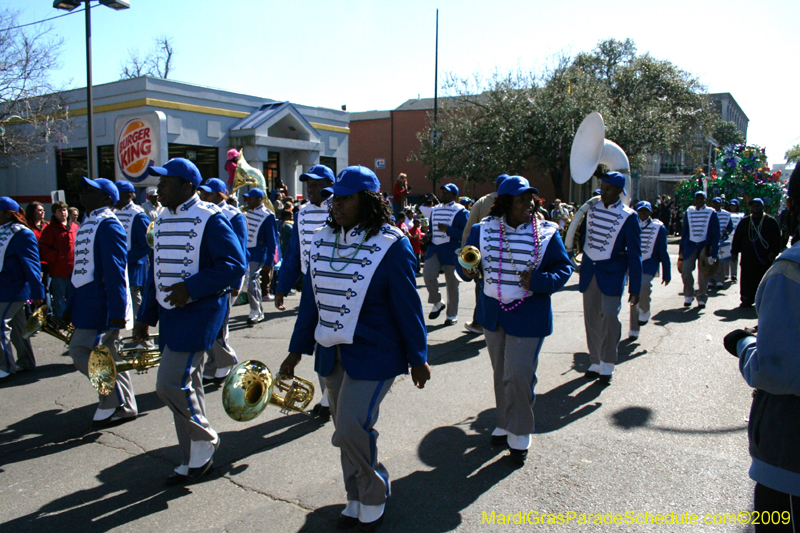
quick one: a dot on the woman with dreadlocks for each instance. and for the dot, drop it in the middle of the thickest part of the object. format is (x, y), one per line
(523, 262)
(363, 311)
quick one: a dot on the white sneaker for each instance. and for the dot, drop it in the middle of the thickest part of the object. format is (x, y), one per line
(606, 369)
(222, 372)
(269, 297)
(519, 442)
(202, 451)
(369, 513)
(644, 317)
(633, 334)
(352, 509)
(594, 368)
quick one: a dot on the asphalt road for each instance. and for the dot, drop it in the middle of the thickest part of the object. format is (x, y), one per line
(667, 436)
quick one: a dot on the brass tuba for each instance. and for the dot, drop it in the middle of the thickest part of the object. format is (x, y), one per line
(250, 387)
(43, 320)
(103, 370)
(249, 176)
(151, 234)
(469, 257)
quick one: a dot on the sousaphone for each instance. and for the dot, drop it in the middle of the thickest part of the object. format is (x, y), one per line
(590, 148)
(250, 387)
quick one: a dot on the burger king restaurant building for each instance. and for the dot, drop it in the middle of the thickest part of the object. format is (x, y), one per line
(147, 121)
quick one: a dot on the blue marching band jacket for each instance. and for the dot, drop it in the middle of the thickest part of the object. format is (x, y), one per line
(135, 221)
(20, 269)
(446, 244)
(700, 229)
(239, 225)
(611, 249)
(262, 236)
(654, 248)
(99, 283)
(306, 221)
(534, 316)
(196, 245)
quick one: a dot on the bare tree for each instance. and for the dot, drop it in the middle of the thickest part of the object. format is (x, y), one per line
(157, 62)
(33, 113)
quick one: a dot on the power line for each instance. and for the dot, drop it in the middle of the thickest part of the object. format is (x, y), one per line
(42, 21)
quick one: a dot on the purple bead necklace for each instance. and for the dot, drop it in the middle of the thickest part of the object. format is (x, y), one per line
(536, 249)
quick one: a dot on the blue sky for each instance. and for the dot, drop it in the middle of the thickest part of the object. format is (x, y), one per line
(378, 54)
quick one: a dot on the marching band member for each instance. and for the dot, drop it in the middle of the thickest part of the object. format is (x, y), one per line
(447, 222)
(610, 240)
(20, 280)
(308, 219)
(654, 254)
(135, 221)
(725, 231)
(222, 357)
(262, 243)
(362, 309)
(700, 230)
(514, 303)
(731, 268)
(99, 305)
(197, 257)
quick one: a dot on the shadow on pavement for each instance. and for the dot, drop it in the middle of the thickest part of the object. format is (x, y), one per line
(465, 467)
(558, 408)
(39, 373)
(680, 315)
(640, 418)
(737, 313)
(467, 346)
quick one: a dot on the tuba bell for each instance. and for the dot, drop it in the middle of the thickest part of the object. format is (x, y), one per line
(469, 257)
(43, 320)
(103, 370)
(151, 234)
(250, 387)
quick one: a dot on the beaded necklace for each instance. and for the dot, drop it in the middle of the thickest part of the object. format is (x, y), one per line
(536, 249)
(348, 257)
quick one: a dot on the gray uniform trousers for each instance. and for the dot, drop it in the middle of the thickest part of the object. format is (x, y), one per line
(180, 385)
(603, 328)
(83, 340)
(689, 264)
(644, 301)
(355, 404)
(514, 360)
(221, 354)
(254, 287)
(13, 316)
(430, 273)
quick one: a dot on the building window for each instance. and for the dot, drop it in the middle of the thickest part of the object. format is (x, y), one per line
(329, 162)
(71, 165)
(205, 157)
(272, 171)
(105, 162)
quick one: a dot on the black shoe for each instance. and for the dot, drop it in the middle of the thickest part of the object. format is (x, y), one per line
(605, 379)
(346, 522)
(643, 323)
(175, 479)
(590, 374)
(435, 314)
(321, 411)
(195, 473)
(451, 321)
(369, 527)
(499, 440)
(112, 421)
(518, 456)
(213, 381)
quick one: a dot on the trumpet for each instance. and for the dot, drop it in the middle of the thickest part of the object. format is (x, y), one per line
(43, 320)
(469, 257)
(103, 370)
(250, 387)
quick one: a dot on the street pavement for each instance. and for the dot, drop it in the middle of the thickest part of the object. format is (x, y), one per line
(668, 435)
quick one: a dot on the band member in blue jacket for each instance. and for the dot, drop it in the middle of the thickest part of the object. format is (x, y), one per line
(99, 304)
(725, 236)
(135, 221)
(654, 255)
(447, 223)
(262, 250)
(307, 220)
(610, 240)
(20, 281)
(362, 309)
(699, 235)
(197, 258)
(522, 264)
(222, 357)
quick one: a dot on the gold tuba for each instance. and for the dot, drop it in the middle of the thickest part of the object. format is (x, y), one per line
(469, 257)
(249, 176)
(43, 320)
(151, 234)
(250, 387)
(103, 370)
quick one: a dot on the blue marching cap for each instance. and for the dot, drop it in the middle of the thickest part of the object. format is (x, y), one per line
(352, 180)
(756, 201)
(644, 205)
(214, 185)
(734, 202)
(717, 199)
(450, 187)
(255, 192)
(180, 168)
(700, 193)
(500, 179)
(516, 185)
(102, 184)
(596, 192)
(125, 186)
(318, 172)
(615, 178)
(8, 204)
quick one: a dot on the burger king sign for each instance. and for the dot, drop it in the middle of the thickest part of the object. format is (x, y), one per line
(138, 145)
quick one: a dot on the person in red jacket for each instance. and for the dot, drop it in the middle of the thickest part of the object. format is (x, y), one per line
(57, 248)
(399, 193)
